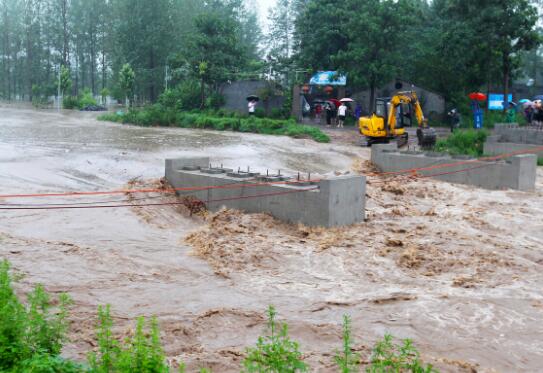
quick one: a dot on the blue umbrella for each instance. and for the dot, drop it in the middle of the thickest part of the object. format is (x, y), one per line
(540, 97)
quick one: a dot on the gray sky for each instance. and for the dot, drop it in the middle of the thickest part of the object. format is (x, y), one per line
(263, 6)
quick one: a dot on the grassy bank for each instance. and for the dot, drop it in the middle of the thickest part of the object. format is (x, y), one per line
(32, 336)
(157, 115)
(464, 142)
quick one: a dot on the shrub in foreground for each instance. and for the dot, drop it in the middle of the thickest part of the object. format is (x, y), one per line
(30, 335)
(391, 357)
(140, 353)
(275, 353)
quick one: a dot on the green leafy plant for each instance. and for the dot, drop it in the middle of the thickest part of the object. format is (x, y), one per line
(70, 102)
(468, 142)
(30, 335)
(275, 353)
(127, 81)
(140, 353)
(87, 99)
(104, 93)
(346, 360)
(65, 80)
(391, 357)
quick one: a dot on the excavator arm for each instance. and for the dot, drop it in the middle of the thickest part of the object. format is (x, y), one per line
(409, 98)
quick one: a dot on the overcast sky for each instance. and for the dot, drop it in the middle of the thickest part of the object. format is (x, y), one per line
(263, 6)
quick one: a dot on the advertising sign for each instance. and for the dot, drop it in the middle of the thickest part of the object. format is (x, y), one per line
(328, 78)
(495, 101)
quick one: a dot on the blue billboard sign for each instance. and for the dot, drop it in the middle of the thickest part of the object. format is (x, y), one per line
(495, 101)
(328, 78)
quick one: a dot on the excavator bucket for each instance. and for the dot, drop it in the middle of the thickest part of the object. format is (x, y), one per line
(427, 137)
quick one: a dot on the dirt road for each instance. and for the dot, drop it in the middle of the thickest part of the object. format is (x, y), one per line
(457, 269)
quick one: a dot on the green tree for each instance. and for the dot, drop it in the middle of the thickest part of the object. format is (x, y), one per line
(127, 79)
(318, 35)
(372, 56)
(65, 80)
(214, 52)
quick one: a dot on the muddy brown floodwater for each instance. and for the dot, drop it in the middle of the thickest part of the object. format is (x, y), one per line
(455, 268)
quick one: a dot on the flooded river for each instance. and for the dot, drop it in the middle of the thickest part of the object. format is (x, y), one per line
(457, 269)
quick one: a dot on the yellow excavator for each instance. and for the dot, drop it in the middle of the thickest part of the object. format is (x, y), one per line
(390, 118)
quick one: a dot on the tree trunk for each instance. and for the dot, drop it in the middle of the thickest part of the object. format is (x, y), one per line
(487, 93)
(93, 62)
(152, 91)
(372, 96)
(29, 52)
(64, 16)
(202, 94)
(506, 72)
(6, 55)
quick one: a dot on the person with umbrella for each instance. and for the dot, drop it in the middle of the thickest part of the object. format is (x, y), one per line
(454, 118)
(538, 112)
(330, 110)
(252, 103)
(342, 114)
(318, 111)
(511, 113)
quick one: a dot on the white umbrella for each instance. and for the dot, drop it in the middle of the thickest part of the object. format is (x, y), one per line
(347, 100)
(528, 104)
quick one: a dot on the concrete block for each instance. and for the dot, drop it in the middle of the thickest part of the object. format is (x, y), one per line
(516, 173)
(336, 201)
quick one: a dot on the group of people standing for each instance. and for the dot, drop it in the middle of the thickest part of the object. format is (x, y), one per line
(533, 112)
(334, 115)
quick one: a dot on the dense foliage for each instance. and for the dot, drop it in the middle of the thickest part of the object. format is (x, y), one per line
(450, 46)
(32, 335)
(90, 41)
(464, 142)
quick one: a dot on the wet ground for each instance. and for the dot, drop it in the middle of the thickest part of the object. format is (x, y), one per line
(457, 269)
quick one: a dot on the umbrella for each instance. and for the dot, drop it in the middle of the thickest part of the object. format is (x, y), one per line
(253, 98)
(318, 102)
(540, 97)
(527, 104)
(477, 96)
(335, 102)
(346, 100)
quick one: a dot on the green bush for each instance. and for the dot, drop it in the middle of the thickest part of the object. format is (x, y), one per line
(215, 101)
(49, 364)
(468, 142)
(186, 96)
(540, 161)
(87, 99)
(275, 353)
(70, 102)
(390, 357)
(30, 335)
(220, 120)
(140, 353)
